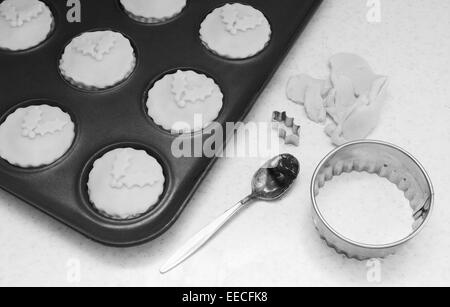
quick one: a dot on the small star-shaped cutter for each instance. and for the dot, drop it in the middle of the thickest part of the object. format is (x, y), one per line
(287, 129)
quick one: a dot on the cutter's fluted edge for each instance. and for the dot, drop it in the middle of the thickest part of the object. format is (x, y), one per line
(411, 168)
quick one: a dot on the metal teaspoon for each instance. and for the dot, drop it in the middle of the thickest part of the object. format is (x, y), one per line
(269, 183)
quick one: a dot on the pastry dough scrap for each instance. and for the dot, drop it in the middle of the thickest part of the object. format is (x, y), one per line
(353, 99)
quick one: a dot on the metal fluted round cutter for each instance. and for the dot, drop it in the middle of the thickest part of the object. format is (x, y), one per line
(385, 160)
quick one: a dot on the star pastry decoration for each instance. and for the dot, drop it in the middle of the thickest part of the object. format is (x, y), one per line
(123, 177)
(96, 47)
(17, 12)
(235, 21)
(34, 126)
(187, 92)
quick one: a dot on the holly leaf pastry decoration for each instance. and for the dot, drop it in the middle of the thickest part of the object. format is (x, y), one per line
(186, 91)
(18, 12)
(50, 127)
(33, 125)
(179, 84)
(94, 45)
(31, 121)
(122, 177)
(236, 21)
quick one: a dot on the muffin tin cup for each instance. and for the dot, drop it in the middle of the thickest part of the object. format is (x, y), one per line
(231, 59)
(117, 117)
(83, 87)
(150, 21)
(89, 166)
(152, 83)
(49, 35)
(37, 102)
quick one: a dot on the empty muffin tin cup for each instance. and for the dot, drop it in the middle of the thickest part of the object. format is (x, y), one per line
(387, 161)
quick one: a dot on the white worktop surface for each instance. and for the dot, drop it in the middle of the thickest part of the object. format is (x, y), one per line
(276, 244)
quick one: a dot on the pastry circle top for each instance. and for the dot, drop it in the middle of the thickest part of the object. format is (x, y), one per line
(125, 183)
(185, 101)
(153, 11)
(236, 31)
(36, 136)
(98, 60)
(24, 24)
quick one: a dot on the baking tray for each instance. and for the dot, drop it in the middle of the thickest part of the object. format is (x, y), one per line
(117, 117)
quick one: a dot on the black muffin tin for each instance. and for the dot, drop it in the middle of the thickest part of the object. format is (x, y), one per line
(117, 117)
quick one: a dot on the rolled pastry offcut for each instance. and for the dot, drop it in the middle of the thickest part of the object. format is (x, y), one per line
(309, 92)
(353, 98)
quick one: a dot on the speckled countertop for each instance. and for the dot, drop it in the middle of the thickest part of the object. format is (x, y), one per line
(276, 244)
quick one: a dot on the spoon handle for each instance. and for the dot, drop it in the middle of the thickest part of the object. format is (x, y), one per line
(201, 238)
